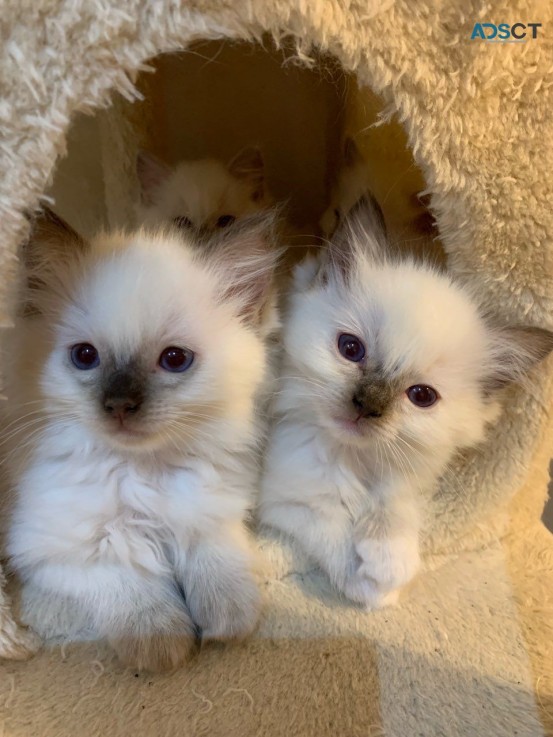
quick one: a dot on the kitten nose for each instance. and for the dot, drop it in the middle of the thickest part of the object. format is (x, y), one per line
(121, 406)
(364, 408)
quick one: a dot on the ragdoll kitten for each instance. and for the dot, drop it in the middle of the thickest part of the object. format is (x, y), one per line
(134, 386)
(203, 196)
(388, 370)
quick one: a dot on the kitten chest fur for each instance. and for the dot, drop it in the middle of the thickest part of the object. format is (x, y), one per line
(327, 473)
(112, 509)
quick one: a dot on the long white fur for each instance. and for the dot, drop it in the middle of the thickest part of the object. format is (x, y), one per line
(356, 502)
(121, 529)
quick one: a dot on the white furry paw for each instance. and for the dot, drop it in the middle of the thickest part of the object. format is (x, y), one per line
(225, 610)
(156, 653)
(166, 646)
(386, 565)
(365, 590)
(17, 643)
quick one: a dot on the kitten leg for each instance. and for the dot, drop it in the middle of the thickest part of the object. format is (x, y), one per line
(150, 629)
(387, 543)
(156, 639)
(327, 537)
(144, 618)
(16, 643)
(220, 586)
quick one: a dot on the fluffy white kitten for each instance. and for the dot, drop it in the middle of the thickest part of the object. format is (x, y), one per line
(389, 370)
(202, 195)
(136, 372)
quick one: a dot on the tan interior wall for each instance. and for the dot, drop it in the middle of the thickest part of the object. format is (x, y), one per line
(220, 96)
(78, 187)
(393, 176)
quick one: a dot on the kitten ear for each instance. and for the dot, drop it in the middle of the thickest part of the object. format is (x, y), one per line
(516, 350)
(365, 216)
(363, 230)
(151, 172)
(50, 242)
(246, 260)
(351, 154)
(248, 165)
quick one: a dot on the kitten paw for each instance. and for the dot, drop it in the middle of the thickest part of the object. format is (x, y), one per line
(159, 650)
(386, 565)
(391, 562)
(364, 590)
(226, 611)
(156, 653)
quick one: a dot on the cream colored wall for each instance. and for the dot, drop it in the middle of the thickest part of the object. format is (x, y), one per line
(78, 186)
(212, 101)
(217, 98)
(393, 176)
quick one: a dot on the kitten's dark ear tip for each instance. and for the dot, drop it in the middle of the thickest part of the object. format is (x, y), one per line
(536, 340)
(42, 211)
(368, 208)
(151, 172)
(46, 221)
(145, 161)
(248, 163)
(521, 348)
(351, 152)
(51, 239)
(544, 339)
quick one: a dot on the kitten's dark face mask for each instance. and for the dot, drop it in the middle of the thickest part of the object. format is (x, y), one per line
(128, 395)
(373, 393)
(147, 343)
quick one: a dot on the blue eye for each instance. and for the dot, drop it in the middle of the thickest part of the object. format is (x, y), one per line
(176, 359)
(84, 356)
(422, 396)
(351, 347)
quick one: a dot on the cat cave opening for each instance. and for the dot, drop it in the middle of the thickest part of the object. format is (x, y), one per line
(230, 127)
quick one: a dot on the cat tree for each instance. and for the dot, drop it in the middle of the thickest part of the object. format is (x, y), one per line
(477, 120)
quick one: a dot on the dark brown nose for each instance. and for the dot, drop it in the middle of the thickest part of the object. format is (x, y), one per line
(123, 393)
(366, 410)
(372, 398)
(121, 406)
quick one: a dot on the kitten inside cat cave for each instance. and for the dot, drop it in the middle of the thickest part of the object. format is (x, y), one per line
(389, 369)
(202, 196)
(134, 387)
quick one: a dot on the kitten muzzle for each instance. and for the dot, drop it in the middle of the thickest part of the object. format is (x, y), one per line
(372, 399)
(123, 394)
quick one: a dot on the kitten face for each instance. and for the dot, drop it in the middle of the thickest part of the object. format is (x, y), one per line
(202, 196)
(361, 349)
(151, 345)
(395, 351)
